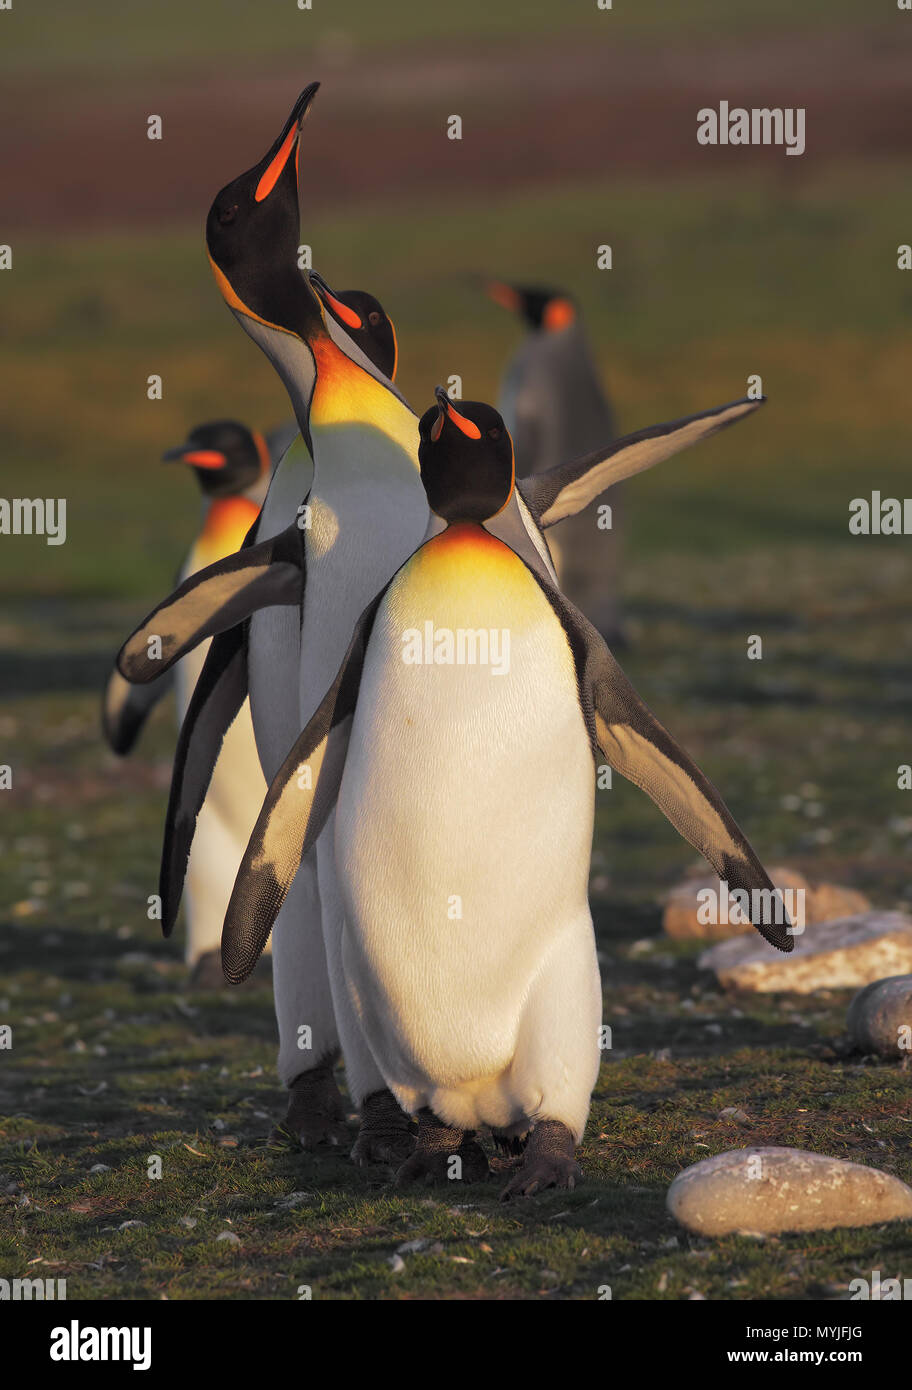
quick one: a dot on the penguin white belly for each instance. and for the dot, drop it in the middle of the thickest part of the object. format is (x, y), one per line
(226, 819)
(368, 513)
(238, 787)
(463, 839)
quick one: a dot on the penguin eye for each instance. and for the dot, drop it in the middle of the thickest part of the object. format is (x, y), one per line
(227, 214)
(373, 318)
(494, 432)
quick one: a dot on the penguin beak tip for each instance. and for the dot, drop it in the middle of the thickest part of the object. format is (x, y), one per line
(304, 102)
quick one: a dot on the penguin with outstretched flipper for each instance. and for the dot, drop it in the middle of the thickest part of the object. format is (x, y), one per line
(467, 942)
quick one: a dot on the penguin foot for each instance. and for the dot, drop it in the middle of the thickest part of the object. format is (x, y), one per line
(443, 1155)
(316, 1110)
(549, 1161)
(206, 974)
(386, 1135)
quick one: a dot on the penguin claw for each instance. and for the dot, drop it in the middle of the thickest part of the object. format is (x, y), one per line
(386, 1135)
(316, 1111)
(384, 1149)
(427, 1166)
(319, 1131)
(541, 1172)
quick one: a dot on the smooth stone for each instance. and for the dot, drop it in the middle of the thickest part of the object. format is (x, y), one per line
(830, 902)
(831, 955)
(880, 1017)
(680, 920)
(824, 902)
(763, 1191)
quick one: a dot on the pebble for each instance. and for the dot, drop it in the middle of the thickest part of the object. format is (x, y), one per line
(764, 1191)
(880, 1017)
(849, 953)
(823, 902)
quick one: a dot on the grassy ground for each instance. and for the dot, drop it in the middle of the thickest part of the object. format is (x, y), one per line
(100, 35)
(113, 1060)
(713, 280)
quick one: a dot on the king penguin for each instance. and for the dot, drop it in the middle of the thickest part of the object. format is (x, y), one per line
(232, 465)
(354, 427)
(302, 587)
(473, 690)
(555, 407)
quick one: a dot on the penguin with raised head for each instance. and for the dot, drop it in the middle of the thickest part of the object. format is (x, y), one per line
(555, 407)
(232, 465)
(458, 740)
(353, 423)
(302, 588)
(227, 458)
(359, 327)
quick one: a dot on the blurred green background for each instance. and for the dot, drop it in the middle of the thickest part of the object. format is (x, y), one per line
(579, 129)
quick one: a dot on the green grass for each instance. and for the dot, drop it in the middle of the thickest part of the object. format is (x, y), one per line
(101, 35)
(713, 280)
(113, 1060)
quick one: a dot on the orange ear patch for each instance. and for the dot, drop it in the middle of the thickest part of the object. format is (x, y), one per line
(395, 366)
(262, 449)
(268, 181)
(558, 314)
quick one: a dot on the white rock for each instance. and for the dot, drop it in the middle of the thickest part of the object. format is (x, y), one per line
(880, 1017)
(762, 1191)
(680, 919)
(825, 902)
(832, 955)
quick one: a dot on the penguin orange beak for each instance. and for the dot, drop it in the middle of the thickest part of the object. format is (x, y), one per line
(274, 163)
(341, 311)
(195, 458)
(445, 411)
(504, 295)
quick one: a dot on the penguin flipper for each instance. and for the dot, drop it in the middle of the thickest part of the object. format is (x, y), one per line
(568, 488)
(218, 695)
(125, 709)
(636, 745)
(214, 599)
(293, 815)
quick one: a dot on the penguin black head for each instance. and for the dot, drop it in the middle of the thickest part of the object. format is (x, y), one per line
(466, 459)
(252, 234)
(365, 321)
(544, 310)
(226, 457)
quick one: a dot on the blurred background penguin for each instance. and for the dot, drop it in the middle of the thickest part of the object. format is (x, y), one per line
(553, 403)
